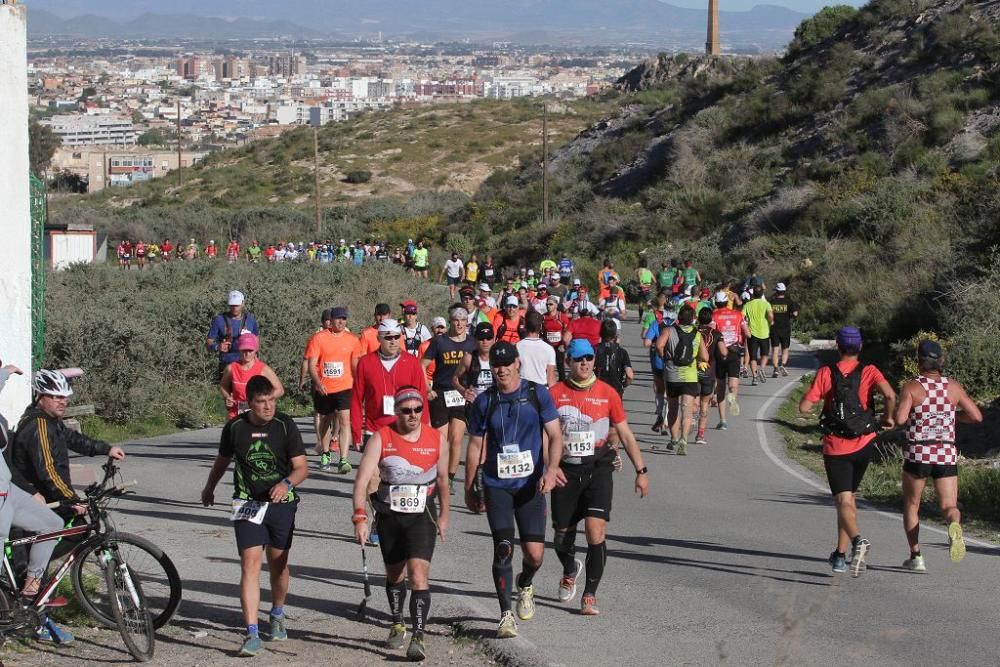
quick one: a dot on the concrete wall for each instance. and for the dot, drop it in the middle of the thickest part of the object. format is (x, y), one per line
(15, 223)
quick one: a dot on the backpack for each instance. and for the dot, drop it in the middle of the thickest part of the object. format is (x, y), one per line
(227, 331)
(683, 354)
(610, 365)
(845, 418)
(413, 344)
(521, 331)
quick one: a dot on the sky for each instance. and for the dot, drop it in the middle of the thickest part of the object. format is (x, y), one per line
(804, 6)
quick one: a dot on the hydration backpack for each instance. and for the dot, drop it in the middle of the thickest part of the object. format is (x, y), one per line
(845, 418)
(683, 354)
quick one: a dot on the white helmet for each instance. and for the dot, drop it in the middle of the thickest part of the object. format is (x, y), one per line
(51, 383)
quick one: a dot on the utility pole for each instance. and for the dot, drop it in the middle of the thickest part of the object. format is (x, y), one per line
(179, 177)
(319, 213)
(545, 164)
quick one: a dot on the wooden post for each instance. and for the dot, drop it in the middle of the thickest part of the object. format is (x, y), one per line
(319, 212)
(545, 164)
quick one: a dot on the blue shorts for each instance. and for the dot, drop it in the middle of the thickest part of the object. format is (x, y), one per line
(275, 530)
(524, 507)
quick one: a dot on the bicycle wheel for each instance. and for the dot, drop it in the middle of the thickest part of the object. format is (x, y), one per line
(146, 562)
(128, 605)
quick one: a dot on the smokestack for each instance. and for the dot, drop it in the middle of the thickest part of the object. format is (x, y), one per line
(713, 46)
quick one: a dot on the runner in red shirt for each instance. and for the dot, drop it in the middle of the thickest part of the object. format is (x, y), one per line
(140, 254)
(585, 326)
(166, 249)
(233, 251)
(211, 250)
(735, 332)
(554, 326)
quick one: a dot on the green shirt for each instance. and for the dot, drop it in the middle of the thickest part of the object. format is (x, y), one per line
(690, 276)
(645, 277)
(420, 258)
(674, 373)
(254, 251)
(547, 264)
(755, 311)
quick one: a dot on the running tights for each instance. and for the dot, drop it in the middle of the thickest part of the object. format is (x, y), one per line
(597, 556)
(420, 607)
(397, 599)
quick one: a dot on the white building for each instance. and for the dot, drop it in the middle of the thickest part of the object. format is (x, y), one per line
(93, 130)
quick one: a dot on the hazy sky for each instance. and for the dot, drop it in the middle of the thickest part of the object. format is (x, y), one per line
(805, 6)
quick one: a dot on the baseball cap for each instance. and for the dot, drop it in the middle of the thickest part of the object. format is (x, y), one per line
(409, 307)
(439, 322)
(483, 287)
(780, 287)
(247, 341)
(576, 281)
(467, 292)
(388, 325)
(553, 278)
(579, 347)
(503, 354)
(382, 309)
(235, 298)
(553, 299)
(721, 297)
(511, 301)
(849, 338)
(543, 287)
(929, 349)
(531, 272)
(338, 313)
(483, 331)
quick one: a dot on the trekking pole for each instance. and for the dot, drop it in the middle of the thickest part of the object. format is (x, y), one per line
(368, 588)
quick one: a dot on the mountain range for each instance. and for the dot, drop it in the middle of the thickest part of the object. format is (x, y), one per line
(587, 21)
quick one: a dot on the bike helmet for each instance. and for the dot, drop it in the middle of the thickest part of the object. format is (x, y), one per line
(51, 383)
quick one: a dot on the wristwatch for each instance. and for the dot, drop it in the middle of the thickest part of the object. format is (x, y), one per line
(642, 471)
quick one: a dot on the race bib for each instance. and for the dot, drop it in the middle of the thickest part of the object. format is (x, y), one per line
(939, 426)
(248, 510)
(333, 369)
(579, 443)
(488, 273)
(553, 336)
(388, 405)
(408, 498)
(514, 464)
(453, 399)
(242, 407)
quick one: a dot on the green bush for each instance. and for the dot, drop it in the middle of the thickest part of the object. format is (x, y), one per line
(823, 25)
(358, 176)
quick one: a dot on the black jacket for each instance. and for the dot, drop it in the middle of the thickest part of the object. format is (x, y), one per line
(40, 455)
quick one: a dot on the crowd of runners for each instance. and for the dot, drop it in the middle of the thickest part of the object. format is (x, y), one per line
(522, 379)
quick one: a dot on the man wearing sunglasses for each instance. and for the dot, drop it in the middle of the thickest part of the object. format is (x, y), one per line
(409, 460)
(505, 428)
(589, 409)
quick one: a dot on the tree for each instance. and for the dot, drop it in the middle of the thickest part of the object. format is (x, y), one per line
(42, 145)
(825, 24)
(153, 137)
(137, 116)
(88, 92)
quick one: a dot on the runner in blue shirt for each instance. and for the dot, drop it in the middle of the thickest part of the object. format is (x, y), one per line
(227, 327)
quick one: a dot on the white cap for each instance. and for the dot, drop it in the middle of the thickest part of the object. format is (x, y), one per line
(483, 287)
(721, 297)
(511, 301)
(342, 241)
(211, 242)
(439, 322)
(576, 281)
(780, 287)
(388, 325)
(235, 298)
(746, 296)
(531, 272)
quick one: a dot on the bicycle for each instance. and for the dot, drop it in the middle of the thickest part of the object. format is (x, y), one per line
(127, 600)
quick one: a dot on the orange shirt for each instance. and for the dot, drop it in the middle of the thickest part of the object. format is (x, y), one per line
(334, 356)
(595, 409)
(822, 390)
(369, 340)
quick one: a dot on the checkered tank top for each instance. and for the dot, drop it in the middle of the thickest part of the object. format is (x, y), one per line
(931, 429)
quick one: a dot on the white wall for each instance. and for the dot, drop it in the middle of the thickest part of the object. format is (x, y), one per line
(15, 223)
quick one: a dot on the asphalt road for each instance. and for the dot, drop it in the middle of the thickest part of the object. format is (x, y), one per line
(724, 563)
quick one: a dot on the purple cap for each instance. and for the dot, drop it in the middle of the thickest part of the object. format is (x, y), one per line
(849, 338)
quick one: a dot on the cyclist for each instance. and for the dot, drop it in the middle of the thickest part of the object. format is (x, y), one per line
(785, 313)
(369, 335)
(848, 421)
(929, 405)
(505, 428)
(270, 464)
(333, 355)
(589, 410)
(233, 385)
(227, 327)
(645, 279)
(759, 317)
(682, 347)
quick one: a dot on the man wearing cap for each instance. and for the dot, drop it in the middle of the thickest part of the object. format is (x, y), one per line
(735, 332)
(612, 302)
(369, 335)
(849, 441)
(409, 460)
(589, 411)
(505, 428)
(227, 327)
(414, 333)
(929, 406)
(447, 406)
(509, 323)
(785, 313)
(474, 375)
(333, 355)
(538, 358)
(471, 305)
(759, 317)
(378, 375)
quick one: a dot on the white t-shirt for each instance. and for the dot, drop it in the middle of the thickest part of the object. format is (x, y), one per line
(536, 355)
(453, 268)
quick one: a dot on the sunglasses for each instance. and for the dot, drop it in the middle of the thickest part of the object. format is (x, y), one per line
(411, 411)
(391, 337)
(586, 357)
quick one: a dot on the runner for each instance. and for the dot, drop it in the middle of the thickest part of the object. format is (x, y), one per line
(665, 277)
(612, 303)
(233, 385)
(227, 327)
(606, 272)
(140, 254)
(785, 313)
(657, 308)
(447, 406)
(325, 323)
(472, 306)
(930, 405)
(410, 462)
(505, 428)
(538, 359)
(691, 276)
(759, 317)
(333, 355)
(613, 364)
(125, 254)
(414, 333)
(645, 279)
(211, 251)
(585, 326)
(472, 271)
(233, 251)
(167, 249)
(682, 347)
(707, 376)
(369, 335)
(589, 411)
(489, 272)
(848, 421)
(554, 325)
(421, 260)
(253, 252)
(509, 323)
(474, 375)
(734, 330)
(566, 270)
(270, 463)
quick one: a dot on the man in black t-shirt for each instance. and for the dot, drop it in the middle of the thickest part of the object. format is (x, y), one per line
(270, 463)
(785, 312)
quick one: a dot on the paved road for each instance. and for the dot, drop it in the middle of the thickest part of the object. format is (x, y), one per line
(725, 562)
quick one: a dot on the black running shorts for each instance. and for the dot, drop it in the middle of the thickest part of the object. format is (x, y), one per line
(524, 507)
(675, 389)
(331, 403)
(405, 536)
(706, 385)
(588, 493)
(932, 470)
(846, 472)
(759, 347)
(730, 366)
(275, 530)
(441, 414)
(781, 339)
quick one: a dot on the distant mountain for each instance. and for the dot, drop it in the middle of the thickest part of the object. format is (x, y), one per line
(611, 21)
(42, 23)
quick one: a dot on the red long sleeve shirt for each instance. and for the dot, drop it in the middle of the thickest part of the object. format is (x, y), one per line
(372, 383)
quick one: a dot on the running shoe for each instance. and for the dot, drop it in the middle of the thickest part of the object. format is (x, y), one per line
(588, 606)
(671, 445)
(324, 462)
(279, 632)
(657, 425)
(784, 372)
(417, 651)
(837, 562)
(734, 406)
(50, 633)
(753, 382)
(397, 636)
(682, 447)
(859, 550)
(760, 374)
(700, 438)
(251, 645)
(567, 585)
(915, 564)
(344, 467)
(744, 373)
(956, 543)
(508, 626)
(722, 426)
(775, 373)
(526, 603)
